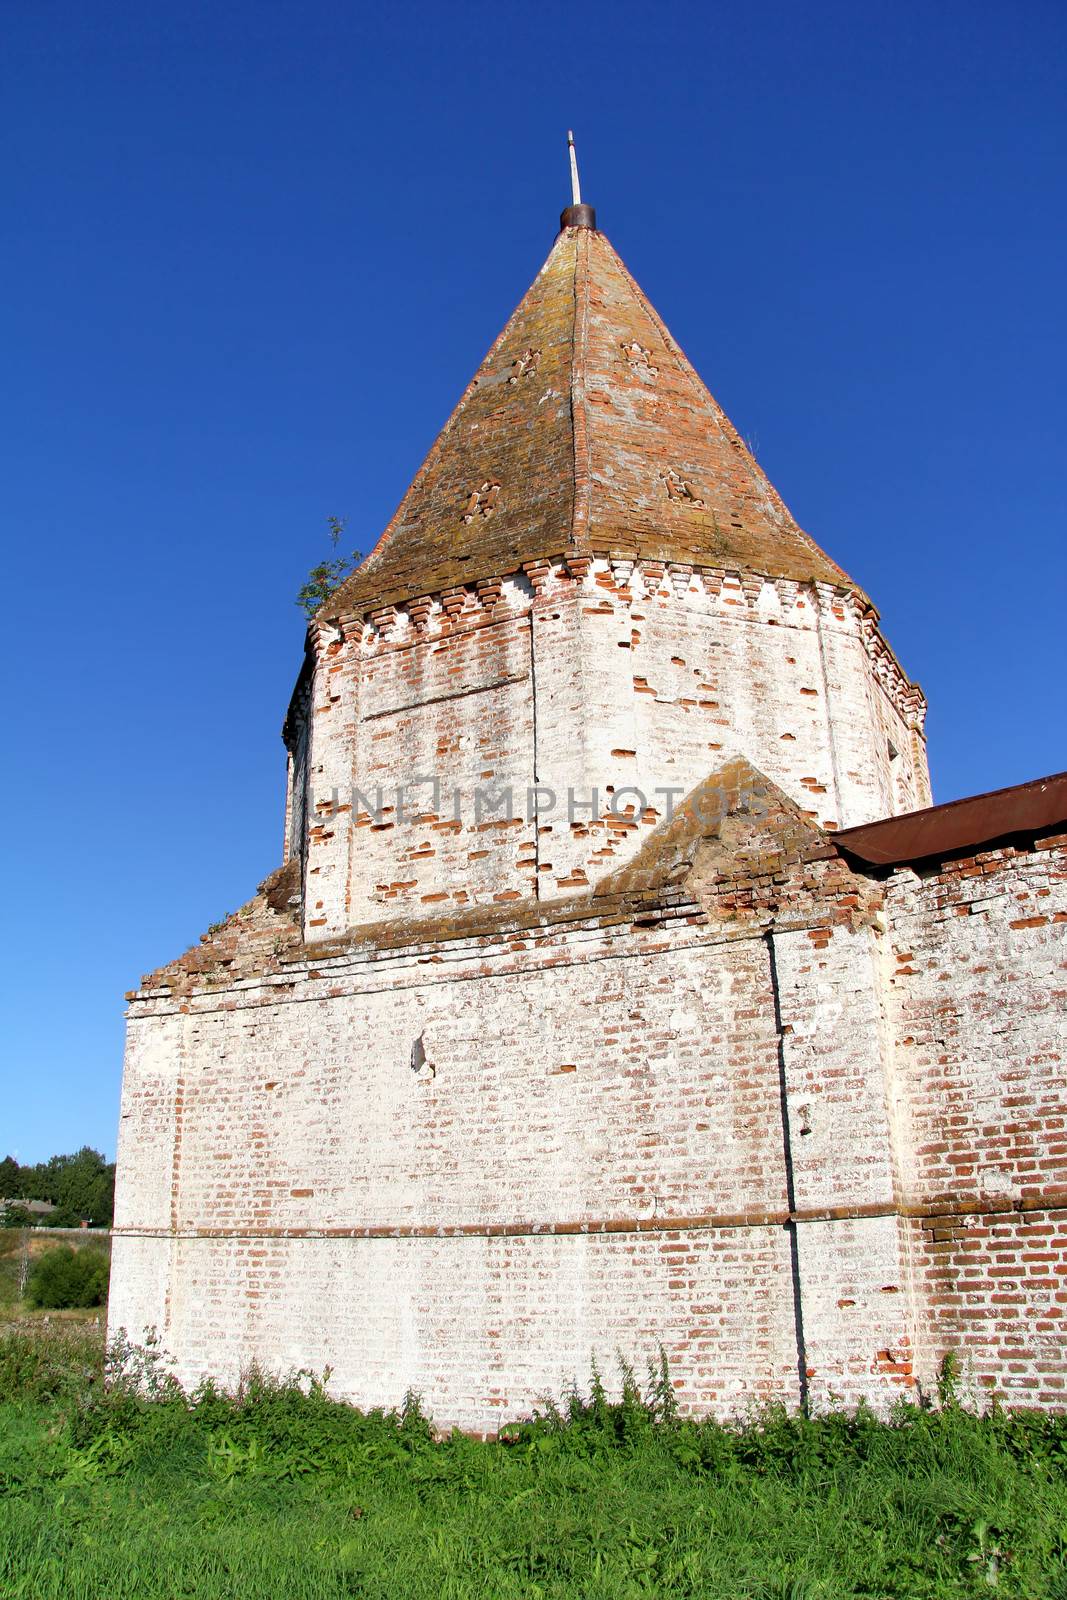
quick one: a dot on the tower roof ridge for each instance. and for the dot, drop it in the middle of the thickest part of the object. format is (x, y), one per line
(584, 430)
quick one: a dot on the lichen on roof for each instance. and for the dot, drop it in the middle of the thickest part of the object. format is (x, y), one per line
(585, 431)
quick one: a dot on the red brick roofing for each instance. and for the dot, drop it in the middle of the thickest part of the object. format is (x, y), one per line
(584, 432)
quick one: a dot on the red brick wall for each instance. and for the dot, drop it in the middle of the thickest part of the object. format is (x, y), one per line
(976, 990)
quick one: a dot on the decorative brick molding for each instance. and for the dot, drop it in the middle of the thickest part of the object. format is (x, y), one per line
(780, 601)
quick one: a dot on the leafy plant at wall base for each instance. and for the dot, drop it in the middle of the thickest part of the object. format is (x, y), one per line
(139, 1490)
(948, 1379)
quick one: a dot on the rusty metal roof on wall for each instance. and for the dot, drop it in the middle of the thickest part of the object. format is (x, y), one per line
(961, 824)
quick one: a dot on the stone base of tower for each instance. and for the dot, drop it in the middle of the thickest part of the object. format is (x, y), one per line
(795, 1118)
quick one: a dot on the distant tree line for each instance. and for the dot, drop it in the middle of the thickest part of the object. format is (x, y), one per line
(80, 1186)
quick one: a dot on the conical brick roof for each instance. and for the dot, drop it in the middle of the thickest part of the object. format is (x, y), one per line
(585, 431)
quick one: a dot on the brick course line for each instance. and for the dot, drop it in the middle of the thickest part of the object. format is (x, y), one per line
(1052, 1205)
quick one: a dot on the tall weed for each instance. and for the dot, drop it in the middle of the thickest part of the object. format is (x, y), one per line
(606, 1493)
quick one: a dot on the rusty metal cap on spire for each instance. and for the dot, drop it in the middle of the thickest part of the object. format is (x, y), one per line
(576, 215)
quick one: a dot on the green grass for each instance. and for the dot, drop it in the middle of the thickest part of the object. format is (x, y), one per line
(282, 1493)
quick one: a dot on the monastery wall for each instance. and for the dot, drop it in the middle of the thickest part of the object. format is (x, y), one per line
(811, 1160)
(976, 996)
(559, 1106)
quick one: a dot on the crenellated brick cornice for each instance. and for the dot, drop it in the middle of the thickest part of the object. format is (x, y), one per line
(774, 601)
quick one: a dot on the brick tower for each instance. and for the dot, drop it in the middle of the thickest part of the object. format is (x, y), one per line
(590, 588)
(592, 1010)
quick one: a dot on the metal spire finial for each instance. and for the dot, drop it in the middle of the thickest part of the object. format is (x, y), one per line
(576, 191)
(577, 215)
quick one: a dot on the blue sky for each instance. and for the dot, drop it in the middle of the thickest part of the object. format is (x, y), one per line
(253, 253)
